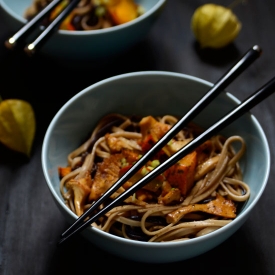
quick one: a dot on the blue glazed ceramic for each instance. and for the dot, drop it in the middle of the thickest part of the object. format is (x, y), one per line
(155, 93)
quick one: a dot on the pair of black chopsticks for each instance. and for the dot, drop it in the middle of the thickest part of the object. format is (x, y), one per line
(30, 26)
(219, 86)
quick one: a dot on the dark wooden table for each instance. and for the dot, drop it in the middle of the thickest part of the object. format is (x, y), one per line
(30, 222)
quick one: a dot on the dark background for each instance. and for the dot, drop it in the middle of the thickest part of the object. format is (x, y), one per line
(30, 222)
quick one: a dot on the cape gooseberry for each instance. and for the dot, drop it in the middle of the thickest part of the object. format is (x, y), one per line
(214, 26)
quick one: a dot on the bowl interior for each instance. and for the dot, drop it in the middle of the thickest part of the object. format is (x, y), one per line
(16, 8)
(152, 93)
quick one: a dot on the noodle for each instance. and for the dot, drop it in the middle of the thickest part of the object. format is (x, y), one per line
(89, 14)
(196, 196)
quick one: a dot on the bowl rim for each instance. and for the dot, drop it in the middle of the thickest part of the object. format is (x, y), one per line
(240, 218)
(146, 14)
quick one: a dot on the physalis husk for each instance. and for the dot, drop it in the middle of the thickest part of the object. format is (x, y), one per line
(17, 125)
(215, 26)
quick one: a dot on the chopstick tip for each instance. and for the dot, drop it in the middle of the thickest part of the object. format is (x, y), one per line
(30, 49)
(60, 241)
(63, 239)
(257, 48)
(10, 43)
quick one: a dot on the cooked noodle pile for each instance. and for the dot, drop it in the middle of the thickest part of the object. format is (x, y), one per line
(194, 197)
(90, 14)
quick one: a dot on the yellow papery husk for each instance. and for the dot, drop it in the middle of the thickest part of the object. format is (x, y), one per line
(215, 26)
(17, 125)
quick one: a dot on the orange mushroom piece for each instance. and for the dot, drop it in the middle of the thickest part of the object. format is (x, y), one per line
(63, 171)
(219, 207)
(122, 11)
(169, 195)
(152, 131)
(181, 175)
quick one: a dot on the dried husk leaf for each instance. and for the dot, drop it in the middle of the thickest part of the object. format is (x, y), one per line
(17, 125)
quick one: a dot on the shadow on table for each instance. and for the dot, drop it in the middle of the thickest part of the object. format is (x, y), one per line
(78, 256)
(217, 57)
(47, 84)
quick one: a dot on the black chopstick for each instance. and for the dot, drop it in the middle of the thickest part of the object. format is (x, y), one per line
(29, 27)
(43, 37)
(219, 86)
(245, 106)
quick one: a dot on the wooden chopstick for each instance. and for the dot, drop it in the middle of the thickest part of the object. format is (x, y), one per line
(46, 33)
(219, 86)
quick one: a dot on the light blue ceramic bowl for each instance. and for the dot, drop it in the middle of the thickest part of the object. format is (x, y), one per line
(155, 93)
(83, 45)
